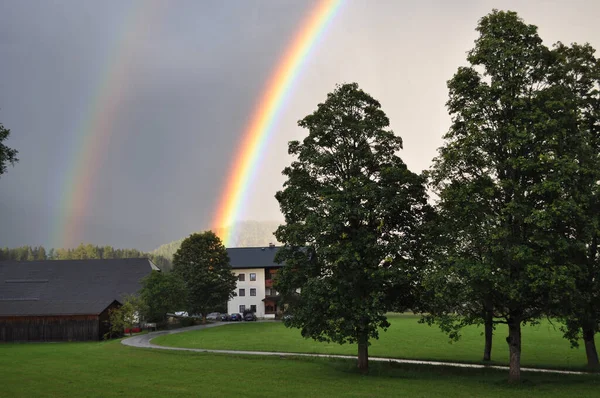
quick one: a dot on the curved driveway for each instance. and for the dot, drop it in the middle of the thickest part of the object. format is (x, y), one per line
(144, 341)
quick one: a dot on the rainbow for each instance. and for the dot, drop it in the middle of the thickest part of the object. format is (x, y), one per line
(262, 121)
(96, 128)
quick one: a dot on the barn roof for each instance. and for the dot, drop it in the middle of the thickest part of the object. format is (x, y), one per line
(68, 287)
(253, 257)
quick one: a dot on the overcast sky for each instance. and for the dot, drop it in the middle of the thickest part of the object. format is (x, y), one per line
(193, 71)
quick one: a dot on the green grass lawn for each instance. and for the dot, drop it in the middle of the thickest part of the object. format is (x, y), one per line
(113, 370)
(543, 345)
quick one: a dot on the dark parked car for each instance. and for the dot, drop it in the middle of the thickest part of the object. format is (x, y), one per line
(225, 317)
(235, 317)
(249, 316)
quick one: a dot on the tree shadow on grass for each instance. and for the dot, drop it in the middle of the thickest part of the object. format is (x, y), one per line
(489, 376)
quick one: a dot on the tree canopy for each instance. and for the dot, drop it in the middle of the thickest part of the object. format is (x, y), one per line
(504, 177)
(352, 215)
(575, 75)
(161, 293)
(203, 264)
(7, 155)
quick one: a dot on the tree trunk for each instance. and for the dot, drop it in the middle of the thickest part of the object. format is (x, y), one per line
(203, 318)
(514, 348)
(363, 354)
(590, 348)
(489, 334)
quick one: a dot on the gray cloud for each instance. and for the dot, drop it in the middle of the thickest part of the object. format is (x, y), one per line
(194, 75)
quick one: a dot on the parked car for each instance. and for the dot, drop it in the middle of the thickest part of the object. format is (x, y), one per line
(184, 314)
(236, 317)
(214, 316)
(249, 316)
(225, 317)
(181, 313)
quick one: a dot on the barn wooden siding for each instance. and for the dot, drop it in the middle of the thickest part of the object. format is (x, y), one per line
(104, 321)
(50, 328)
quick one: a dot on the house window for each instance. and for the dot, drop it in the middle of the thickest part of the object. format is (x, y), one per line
(252, 276)
(241, 277)
(242, 308)
(253, 308)
(242, 292)
(253, 292)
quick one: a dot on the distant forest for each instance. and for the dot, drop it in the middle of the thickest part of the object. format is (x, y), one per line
(81, 252)
(247, 234)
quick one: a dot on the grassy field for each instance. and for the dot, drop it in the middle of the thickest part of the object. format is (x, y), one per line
(543, 345)
(113, 370)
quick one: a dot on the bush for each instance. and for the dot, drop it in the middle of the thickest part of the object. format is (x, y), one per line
(187, 322)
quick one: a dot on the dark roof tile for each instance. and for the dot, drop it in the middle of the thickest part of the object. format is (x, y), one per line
(68, 287)
(253, 257)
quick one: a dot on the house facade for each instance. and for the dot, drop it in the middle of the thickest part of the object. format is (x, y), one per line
(255, 269)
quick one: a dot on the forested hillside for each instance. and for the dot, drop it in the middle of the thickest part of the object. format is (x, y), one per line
(246, 234)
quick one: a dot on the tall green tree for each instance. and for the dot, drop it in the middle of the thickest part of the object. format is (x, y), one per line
(576, 77)
(457, 292)
(40, 253)
(202, 262)
(505, 159)
(162, 292)
(352, 215)
(7, 155)
(108, 252)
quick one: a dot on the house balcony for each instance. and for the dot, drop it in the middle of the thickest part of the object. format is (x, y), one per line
(271, 305)
(268, 282)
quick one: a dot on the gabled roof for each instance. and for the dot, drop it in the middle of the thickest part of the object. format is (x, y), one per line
(253, 257)
(68, 287)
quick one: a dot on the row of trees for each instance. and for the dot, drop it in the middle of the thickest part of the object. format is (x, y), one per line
(513, 235)
(81, 252)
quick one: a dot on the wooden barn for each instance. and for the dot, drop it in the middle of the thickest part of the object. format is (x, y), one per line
(65, 300)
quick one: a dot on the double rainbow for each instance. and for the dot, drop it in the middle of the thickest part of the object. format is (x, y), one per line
(260, 128)
(97, 127)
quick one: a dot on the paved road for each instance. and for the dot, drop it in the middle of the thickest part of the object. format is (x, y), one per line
(144, 341)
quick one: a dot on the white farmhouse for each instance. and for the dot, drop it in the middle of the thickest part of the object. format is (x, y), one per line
(255, 268)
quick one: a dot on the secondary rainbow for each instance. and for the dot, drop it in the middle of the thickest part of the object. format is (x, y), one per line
(247, 157)
(89, 149)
